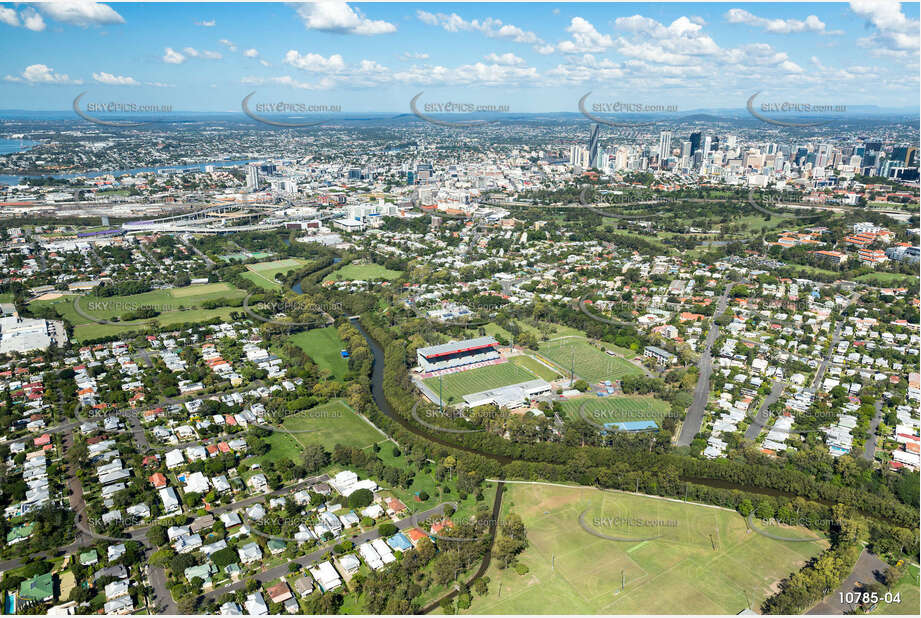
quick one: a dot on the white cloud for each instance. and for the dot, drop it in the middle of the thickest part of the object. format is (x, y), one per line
(115, 80)
(508, 59)
(406, 56)
(895, 35)
(81, 13)
(264, 63)
(337, 16)
(315, 63)
(32, 20)
(490, 27)
(778, 26)
(469, 74)
(228, 44)
(324, 83)
(191, 52)
(8, 17)
(42, 74)
(251, 53)
(585, 38)
(206, 23)
(173, 57)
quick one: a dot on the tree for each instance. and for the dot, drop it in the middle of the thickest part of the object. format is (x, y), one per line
(314, 458)
(361, 498)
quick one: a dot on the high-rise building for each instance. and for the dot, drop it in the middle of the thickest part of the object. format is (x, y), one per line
(593, 145)
(706, 146)
(665, 145)
(252, 177)
(731, 141)
(695, 142)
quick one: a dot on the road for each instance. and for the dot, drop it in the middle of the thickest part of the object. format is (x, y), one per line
(318, 554)
(867, 569)
(764, 414)
(487, 558)
(146, 253)
(869, 452)
(197, 251)
(835, 338)
(695, 415)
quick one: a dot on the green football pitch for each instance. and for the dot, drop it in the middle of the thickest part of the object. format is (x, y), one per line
(588, 361)
(601, 410)
(455, 385)
(670, 557)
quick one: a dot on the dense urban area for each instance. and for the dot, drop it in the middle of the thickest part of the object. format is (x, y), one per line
(465, 357)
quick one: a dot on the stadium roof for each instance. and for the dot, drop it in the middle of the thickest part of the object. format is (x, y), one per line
(457, 346)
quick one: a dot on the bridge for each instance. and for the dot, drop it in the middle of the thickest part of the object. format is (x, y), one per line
(219, 219)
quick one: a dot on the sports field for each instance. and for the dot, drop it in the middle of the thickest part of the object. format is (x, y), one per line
(324, 347)
(590, 362)
(536, 367)
(326, 425)
(263, 273)
(456, 385)
(702, 561)
(176, 306)
(362, 272)
(603, 410)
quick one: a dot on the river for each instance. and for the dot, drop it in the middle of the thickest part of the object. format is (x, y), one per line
(12, 180)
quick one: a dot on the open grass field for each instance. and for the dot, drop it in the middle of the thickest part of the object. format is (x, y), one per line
(176, 306)
(704, 560)
(323, 346)
(325, 425)
(456, 385)
(362, 272)
(603, 410)
(263, 273)
(536, 367)
(887, 279)
(590, 362)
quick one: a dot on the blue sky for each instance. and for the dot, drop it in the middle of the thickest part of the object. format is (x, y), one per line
(532, 57)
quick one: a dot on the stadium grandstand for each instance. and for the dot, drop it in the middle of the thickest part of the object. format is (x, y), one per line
(457, 355)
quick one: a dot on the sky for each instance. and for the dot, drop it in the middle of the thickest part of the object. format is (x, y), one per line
(536, 57)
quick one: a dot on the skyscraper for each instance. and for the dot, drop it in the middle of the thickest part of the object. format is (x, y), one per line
(252, 177)
(665, 145)
(593, 145)
(695, 142)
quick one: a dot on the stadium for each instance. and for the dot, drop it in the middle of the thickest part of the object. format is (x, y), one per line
(457, 356)
(473, 373)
